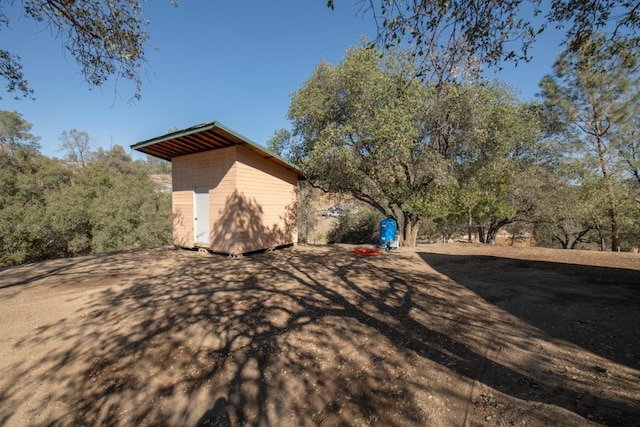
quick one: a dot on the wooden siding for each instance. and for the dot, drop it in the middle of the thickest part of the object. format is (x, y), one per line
(214, 169)
(252, 200)
(260, 213)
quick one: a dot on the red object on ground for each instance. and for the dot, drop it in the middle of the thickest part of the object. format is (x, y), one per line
(366, 252)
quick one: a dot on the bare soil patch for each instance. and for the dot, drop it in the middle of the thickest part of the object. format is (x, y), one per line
(440, 335)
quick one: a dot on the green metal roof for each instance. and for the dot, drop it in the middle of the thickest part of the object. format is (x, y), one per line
(205, 137)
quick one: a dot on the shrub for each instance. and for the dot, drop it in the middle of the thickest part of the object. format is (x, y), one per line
(360, 227)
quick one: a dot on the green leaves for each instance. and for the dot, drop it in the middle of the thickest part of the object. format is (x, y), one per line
(474, 153)
(50, 210)
(455, 38)
(595, 94)
(105, 38)
(11, 71)
(367, 127)
(14, 133)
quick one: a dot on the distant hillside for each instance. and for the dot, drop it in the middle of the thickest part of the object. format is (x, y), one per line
(162, 181)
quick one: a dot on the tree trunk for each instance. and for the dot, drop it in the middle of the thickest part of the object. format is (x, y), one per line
(489, 236)
(564, 240)
(470, 226)
(491, 233)
(481, 233)
(410, 227)
(615, 234)
(601, 236)
(574, 244)
(615, 231)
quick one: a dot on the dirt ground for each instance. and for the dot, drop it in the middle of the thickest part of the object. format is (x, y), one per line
(439, 335)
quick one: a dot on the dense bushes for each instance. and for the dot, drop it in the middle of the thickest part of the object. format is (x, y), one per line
(49, 209)
(356, 227)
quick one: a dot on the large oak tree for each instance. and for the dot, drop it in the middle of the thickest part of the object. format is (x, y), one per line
(368, 128)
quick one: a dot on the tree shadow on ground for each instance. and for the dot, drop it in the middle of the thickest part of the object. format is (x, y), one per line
(594, 308)
(59, 269)
(312, 336)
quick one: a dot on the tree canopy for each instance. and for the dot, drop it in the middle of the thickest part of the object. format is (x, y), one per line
(15, 133)
(77, 146)
(106, 38)
(595, 93)
(51, 209)
(452, 39)
(368, 128)
(450, 36)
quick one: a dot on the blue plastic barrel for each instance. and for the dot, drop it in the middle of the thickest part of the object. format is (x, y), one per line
(387, 231)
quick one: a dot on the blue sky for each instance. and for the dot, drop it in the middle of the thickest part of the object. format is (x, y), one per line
(233, 61)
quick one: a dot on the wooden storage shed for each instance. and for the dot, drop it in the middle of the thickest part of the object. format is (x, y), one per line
(229, 195)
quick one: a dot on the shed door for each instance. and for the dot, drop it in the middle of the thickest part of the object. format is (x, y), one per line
(201, 215)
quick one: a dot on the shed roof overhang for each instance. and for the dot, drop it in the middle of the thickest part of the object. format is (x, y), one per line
(205, 137)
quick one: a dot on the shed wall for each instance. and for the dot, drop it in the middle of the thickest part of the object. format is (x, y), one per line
(263, 205)
(252, 200)
(212, 169)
